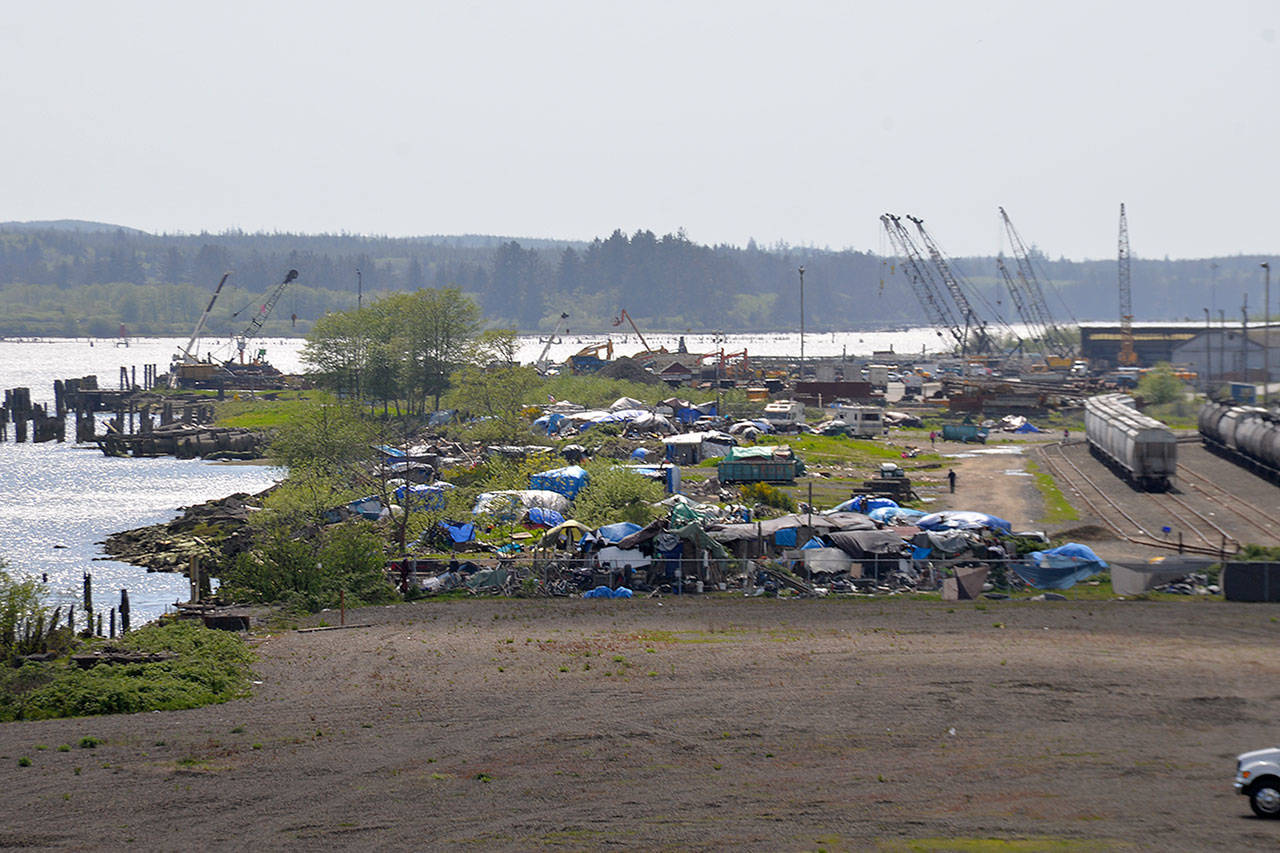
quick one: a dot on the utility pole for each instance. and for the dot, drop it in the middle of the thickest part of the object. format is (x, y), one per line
(1208, 352)
(801, 378)
(1266, 338)
(359, 290)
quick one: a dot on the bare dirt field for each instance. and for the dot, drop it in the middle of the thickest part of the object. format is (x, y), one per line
(712, 724)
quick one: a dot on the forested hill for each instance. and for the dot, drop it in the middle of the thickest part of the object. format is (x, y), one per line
(81, 278)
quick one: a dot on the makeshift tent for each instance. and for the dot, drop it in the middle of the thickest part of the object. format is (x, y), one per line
(865, 504)
(459, 532)
(860, 543)
(1061, 567)
(549, 424)
(567, 481)
(512, 505)
(567, 533)
(1028, 427)
(624, 403)
(615, 533)
(431, 496)
(542, 517)
(963, 520)
(487, 579)
(895, 515)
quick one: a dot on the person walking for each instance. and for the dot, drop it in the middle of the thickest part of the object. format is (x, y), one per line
(933, 436)
(951, 479)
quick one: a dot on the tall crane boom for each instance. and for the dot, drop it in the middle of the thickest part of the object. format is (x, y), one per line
(186, 356)
(255, 325)
(922, 281)
(1127, 355)
(1041, 319)
(971, 320)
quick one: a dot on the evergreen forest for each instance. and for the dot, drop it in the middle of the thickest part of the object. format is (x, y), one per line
(73, 278)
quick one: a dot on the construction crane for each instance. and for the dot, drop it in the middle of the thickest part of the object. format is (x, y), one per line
(937, 309)
(1034, 310)
(255, 325)
(563, 329)
(185, 356)
(983, 343)
(1127, 356)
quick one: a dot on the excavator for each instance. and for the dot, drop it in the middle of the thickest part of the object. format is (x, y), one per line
(646, 355)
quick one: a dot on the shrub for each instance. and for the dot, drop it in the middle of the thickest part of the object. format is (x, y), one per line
(763, 493)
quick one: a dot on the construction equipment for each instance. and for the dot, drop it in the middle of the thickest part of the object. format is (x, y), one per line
(983, 339)
(563, 329)
(1028, 296)
(1127, 356)
(937, 309)
(644, 356)
(255, 325)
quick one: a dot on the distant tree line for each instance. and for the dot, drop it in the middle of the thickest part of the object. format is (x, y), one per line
(89, 281)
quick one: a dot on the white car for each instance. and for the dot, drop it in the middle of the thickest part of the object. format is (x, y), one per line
(1258, 778)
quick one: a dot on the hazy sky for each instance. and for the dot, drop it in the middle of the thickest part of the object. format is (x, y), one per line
(789, 121)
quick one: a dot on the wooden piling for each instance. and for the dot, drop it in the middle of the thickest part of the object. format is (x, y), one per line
(124, 612)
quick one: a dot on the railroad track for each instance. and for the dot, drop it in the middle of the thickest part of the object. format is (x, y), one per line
(1262, 521)
(1095, 496)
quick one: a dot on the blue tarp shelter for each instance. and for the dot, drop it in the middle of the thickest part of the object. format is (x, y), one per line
(459, 532)
(431, 496)
(540, 516)
(568, 481)
(615, 533)
(1061, 567)
(1028, 427)
(955, 519)
(864, 504)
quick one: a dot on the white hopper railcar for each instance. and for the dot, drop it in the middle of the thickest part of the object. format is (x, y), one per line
(1141, 449)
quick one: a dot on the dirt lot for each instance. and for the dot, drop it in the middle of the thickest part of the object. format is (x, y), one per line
(691, 724)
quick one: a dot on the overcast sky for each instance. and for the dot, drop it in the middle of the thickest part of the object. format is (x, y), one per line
(797, 122)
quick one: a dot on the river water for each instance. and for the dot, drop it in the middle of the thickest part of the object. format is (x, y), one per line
(58, 501)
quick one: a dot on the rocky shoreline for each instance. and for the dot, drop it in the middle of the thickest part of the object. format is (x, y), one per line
(212, 531)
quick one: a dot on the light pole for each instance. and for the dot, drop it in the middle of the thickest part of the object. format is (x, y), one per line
(1266, 338)
(801, 378)
(1208, 352)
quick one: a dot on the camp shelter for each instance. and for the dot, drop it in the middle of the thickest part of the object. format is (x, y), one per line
(512, 505)
(612, 534)
(567, 481)
(690, 448)
(563, 537)
(1061, 567)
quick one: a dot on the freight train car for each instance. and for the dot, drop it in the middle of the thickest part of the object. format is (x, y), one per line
(1247, 435)
(1141, 449)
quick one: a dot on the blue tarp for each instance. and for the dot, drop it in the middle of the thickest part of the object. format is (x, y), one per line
(542, 517)
(640, 453)
(954, 519)
(614, 533)
(864, 504)
(814, 542)
(1028, 427)
(785, 538)
(431, 496)
(1061, 567)
(549, 424)
(895, 515)
(605, 592)
(568, 481)
(459, 532)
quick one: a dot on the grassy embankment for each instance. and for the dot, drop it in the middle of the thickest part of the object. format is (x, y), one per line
(208, 667)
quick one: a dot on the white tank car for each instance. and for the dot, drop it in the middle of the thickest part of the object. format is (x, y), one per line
(1142, 449)
(1248, 435)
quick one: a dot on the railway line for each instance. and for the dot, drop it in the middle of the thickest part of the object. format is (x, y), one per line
(1209, 538)
(1264, 522)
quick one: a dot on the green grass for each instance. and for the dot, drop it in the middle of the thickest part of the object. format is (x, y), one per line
(257, 413)
(1056, 506)
(209, 667)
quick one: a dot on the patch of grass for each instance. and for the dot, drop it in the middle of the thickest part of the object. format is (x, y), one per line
(24, 762)
(88, 742)
(209, 666)
(257, 413)
(1056, 506)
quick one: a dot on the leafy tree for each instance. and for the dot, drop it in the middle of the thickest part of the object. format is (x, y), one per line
(616, 494)
(1161, 385)
(496, 394)
(26, 625)
(328, 438)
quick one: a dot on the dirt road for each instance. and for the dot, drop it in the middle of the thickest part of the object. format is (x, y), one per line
(690, 724)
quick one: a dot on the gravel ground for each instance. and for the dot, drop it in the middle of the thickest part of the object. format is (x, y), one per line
(690, 724)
